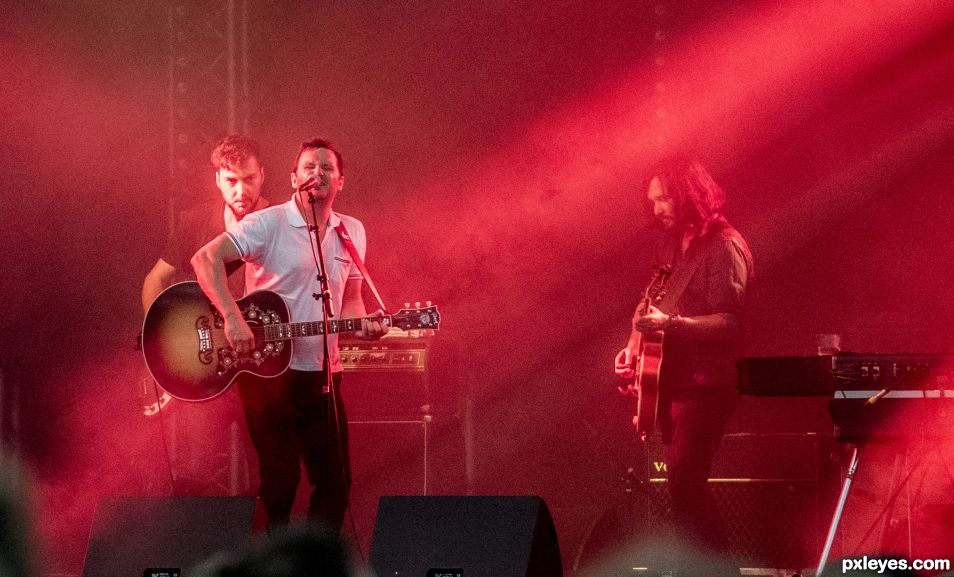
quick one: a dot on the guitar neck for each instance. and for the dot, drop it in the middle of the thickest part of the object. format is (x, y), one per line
(286, 331)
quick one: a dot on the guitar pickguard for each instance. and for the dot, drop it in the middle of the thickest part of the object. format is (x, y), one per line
(255, 316)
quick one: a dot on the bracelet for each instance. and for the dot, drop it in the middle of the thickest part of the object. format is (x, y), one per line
(673, 322)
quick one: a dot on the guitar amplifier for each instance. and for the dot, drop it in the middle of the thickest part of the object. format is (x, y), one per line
(771, 490)
(751, 457)
(399, 378)
(392, 353)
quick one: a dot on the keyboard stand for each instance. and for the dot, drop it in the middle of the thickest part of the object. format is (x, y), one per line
(839, 509)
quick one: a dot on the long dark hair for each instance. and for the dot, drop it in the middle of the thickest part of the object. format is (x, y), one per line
(697, 198)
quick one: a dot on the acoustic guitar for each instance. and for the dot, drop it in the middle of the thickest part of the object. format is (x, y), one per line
(184, 344)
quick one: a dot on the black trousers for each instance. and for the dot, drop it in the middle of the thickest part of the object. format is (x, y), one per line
(292, 421)
(693, 428)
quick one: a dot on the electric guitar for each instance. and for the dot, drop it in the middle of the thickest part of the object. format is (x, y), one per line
(648, 359)
(184, 344)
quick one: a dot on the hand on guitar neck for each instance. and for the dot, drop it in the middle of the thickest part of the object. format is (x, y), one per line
(652, 322)
(372, 328)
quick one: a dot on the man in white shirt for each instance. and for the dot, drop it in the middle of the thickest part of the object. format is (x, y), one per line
(295, 417)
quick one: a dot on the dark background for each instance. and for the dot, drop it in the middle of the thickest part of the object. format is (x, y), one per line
(494, 152)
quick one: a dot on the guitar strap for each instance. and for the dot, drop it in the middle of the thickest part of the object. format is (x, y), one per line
(685, 271)
(681, 277)
(353, 251)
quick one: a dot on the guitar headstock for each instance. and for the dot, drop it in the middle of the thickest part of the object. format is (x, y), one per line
(409, 318)
(654, 291)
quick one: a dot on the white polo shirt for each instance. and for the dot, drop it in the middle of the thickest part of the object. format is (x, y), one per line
(276, 244)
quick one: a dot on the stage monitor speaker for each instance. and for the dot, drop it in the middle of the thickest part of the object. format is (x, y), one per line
(465, 536)
(164, 537)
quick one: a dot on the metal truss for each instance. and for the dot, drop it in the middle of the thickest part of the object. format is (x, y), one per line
(208, 84)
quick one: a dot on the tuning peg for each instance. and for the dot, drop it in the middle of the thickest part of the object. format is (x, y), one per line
(428, 303)
(417, 304)
(407, 305)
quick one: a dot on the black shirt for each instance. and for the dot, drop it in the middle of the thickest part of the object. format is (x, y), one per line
(194, 228)
(714, 271)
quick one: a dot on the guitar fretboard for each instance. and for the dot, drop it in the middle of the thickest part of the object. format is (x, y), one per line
(285, 331)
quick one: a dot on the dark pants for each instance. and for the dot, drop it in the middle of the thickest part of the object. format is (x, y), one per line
(291, 421)
(693, 430)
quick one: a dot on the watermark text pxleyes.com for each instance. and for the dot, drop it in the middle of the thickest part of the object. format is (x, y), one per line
(881, 565)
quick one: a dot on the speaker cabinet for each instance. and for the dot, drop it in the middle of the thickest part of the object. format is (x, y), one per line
(170, 536)
(406, 436)
(472, 536)
(773, 491)
(770, 523)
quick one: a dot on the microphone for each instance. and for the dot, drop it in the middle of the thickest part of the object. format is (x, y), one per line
(310, 183)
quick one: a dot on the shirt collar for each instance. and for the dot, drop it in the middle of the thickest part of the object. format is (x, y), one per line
(298, 221)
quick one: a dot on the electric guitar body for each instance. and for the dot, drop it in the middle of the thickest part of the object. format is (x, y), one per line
(648, 361)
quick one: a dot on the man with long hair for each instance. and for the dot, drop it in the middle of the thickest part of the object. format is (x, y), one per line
(699, 314)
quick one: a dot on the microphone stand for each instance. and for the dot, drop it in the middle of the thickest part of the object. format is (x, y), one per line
(327, 313)
(324, 296)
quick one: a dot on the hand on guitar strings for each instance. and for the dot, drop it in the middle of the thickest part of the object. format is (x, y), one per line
(623, 366)
(239, 335)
